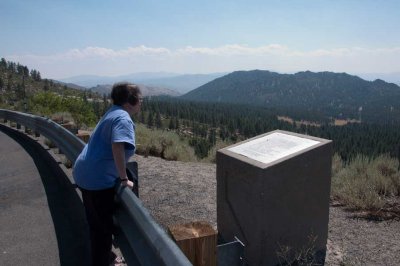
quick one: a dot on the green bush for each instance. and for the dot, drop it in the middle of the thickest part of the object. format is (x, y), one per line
(63, 117)
(49, 103)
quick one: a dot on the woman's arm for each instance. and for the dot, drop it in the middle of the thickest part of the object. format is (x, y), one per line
(118, 151)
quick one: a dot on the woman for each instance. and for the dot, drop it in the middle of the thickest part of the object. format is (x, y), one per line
(101, 165)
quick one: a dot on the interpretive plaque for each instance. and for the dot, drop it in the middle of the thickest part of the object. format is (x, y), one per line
(273, 147)
(273, 192)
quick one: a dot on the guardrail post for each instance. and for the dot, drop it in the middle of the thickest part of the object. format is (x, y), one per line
(37, 134)
(18, 126)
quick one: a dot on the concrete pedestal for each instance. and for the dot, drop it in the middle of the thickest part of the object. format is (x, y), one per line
(273, 194)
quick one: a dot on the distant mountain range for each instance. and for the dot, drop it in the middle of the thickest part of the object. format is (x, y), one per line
(89, 81)
(329, 94)
(169, 81)
(183, 83)
(146, 90)
(70, 85)
(389, 77)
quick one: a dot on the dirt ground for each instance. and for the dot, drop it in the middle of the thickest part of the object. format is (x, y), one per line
(179, 192)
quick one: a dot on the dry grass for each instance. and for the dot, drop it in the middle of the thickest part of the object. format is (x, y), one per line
(371, 185)
(343, 122)
(161, 143)
(298, 122)
(212, 155)
(306, 255)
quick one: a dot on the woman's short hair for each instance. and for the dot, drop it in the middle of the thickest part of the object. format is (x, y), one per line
(125, 92)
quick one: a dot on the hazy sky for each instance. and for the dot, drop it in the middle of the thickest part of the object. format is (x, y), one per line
(63, 38)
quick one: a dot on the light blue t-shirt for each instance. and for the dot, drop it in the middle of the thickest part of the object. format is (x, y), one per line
(95, 168)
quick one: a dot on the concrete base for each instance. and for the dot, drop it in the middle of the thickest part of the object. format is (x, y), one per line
(278, 207)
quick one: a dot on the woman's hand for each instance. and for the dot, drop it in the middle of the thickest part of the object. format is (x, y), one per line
(128, 183)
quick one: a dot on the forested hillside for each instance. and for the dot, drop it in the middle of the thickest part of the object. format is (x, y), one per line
(207, 123)
(307, 95)
(25, 90)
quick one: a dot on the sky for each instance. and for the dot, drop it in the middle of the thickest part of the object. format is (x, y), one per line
(64, 38)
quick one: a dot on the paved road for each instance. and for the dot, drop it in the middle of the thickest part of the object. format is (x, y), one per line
(41, 217)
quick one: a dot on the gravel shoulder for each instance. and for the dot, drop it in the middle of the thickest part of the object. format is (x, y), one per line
(179, 192)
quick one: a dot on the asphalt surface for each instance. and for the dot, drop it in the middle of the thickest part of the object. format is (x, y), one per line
(42, 220)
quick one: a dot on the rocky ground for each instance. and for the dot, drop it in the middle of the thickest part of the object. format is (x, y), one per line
(179, 192)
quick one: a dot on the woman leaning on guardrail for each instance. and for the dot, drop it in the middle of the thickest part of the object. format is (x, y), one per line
(101, 165)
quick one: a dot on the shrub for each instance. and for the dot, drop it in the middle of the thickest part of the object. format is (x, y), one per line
(162, 143)
(367, 184)
(212, 155)
(62, 117)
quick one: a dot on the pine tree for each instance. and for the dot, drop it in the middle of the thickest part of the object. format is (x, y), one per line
(20, 91)
(158, 120)
(142, 118)
(150, 120)
(46, 85)
(9, 85)
(105, 103)
(85, 100)
(3, 63)
(26, 71)
(38, 77)
(212, 137)
(171, 124)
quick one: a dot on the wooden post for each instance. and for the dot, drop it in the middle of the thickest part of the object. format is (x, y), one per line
(198, 241)
(83, 135)
(70, 126)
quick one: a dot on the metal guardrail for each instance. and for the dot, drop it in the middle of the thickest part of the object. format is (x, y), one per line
(149, 242)
(67, 142)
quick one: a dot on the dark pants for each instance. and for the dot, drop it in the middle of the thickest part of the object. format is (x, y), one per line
(99, 207)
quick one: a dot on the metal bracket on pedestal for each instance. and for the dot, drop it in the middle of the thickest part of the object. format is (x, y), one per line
(231, 253)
